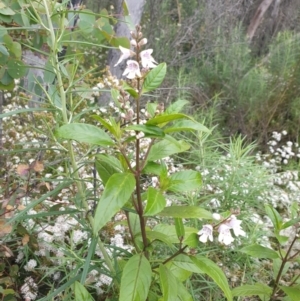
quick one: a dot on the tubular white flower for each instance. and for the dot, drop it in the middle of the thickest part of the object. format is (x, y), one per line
(225, 235)
(132, 70)
(147, 59)
(235, 224)
(206, 233)
(126, 53)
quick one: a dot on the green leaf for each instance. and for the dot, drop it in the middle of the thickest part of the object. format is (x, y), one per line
(250, 290)
(167, 147)
(183, 293)
(107, 166)
(274, 216)
(106, 124)
(259, 251)
(149, 130)
(7, 11)
(129, 89)
(111, 160)
(185, 262)
(154, 78)
(176, 106)
(179, 227)
(120, 41)
(116, 193)
(192, 240)
(165, 118)
(154, 235)
(136, 279)
(186, 180)
(85, 133)
(6, 79)
(186, 212)
(156, 202)
(214, 272)
(277, 266)
(292, 292)
(152, 168)
(3, 50)
(16, 49)
(170, 231)
(179, 273)
(87, 21)
(186, 125)
(16, 68)
(290, 223)
(81, 293)
(168, 284)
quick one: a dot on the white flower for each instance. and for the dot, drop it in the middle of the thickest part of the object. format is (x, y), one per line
(132, 70)
(225, 235)
(147, 59)
(206, 233)
(30, 265)
(126, 53)
(235, 224)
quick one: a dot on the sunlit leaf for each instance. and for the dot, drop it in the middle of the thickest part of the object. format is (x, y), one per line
(165, 118)
(117, 191)
(185, 180)
(148, 130)
(292, 292)
(252, 290)
(107, 166)
(154, 78)
(259, 251)
(179, 227)
(156, 202)
(16, 68)
(176, 106)
(186, 212)
(136, 279)
(168, 284)
(81, 293)
(85, 133)
(167, 147)
(213, 271)
(154, 235)
(170, 231)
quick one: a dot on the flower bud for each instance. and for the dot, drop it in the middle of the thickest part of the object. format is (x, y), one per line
(143, 42)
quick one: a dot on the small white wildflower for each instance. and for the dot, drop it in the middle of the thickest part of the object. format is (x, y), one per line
(132, 70)
(206, 233)
(147, 59)
(126, 53)
(30, 265)
(235, 225)
(29, 289)
(117, 240)
(225, 236)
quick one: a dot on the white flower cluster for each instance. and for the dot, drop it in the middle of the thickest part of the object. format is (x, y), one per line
(223, 228)
(144, 57)
(29, 289)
